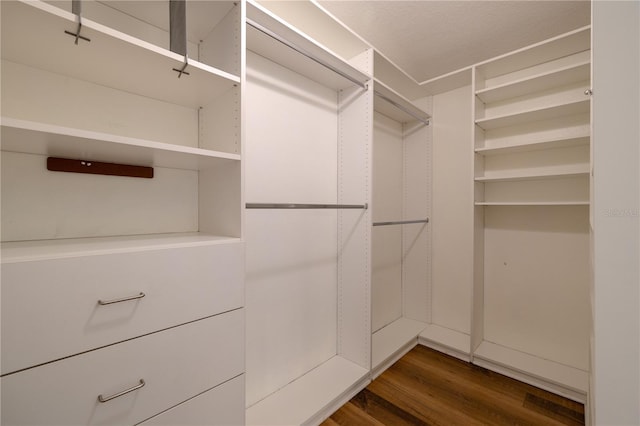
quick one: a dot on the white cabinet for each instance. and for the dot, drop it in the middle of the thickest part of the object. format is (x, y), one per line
(102, 270)
(532, 178)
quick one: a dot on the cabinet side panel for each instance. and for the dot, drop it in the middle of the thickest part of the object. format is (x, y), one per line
(452, 210)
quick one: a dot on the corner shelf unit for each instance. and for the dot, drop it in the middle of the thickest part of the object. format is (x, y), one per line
(532, 188)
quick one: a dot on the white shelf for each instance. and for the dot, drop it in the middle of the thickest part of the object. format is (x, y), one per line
(394, 338)
(552, 111)
(535, 146)
(452, 342)
(277, 51)
(546, 51)
(25, 251)
(532, 203)
(538, 176)
(45, 139)
(33, 34)
(566, 380)
(314, 396)
(537, 83)
(393, 105)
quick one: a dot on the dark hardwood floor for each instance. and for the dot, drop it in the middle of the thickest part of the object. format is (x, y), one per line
(427, 387)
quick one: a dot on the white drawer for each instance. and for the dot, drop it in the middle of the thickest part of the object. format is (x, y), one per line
(176, 364)
(50, 308)
(222, 405)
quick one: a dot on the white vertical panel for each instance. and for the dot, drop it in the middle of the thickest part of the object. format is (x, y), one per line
(616, 108)
(386, 277)
(536, 281)
(416, 238)
(221, 47)
(354, 226)
(452, 215)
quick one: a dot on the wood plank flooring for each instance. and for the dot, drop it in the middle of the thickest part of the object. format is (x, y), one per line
(426, 387)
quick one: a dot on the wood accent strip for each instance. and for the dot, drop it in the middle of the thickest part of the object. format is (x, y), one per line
(56, 164)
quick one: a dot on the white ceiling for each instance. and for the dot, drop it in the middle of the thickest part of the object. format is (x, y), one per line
(430, 38)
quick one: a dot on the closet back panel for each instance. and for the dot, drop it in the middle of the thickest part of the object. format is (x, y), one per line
(51, 205)
(386, 279)
(543, 311)
(416, 238)
(291, 281)
(452, 222)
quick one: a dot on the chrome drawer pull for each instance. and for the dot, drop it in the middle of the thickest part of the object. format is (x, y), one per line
(124, 392)
(124, 299)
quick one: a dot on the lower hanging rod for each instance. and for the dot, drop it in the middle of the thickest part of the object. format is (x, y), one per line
(401, 222)
(304, 206)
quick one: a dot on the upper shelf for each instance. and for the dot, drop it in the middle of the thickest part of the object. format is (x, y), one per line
(537, 114)
(33, 34)
(45, 139)
(535, 146)
(548, 50)
(269, 36)
(537, 83)
(390, 103)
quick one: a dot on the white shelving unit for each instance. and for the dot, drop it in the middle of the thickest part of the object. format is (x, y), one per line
(401, 192)
(91, 262)
(308, 283)
(532, 170)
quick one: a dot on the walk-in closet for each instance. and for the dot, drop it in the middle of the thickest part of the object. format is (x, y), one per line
(245, 212)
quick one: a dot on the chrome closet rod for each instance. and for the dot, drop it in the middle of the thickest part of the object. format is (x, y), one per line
(400, 107)
(304, 52)
(304, 206)
(401, 222)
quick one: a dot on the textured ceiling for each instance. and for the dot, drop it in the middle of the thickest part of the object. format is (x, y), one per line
(431, 38)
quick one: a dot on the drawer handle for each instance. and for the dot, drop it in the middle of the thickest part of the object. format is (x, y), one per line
(124, 299)
(124, 392)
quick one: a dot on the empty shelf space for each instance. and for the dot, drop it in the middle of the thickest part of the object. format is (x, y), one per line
(311, 397)
(537, 114)
(535, 146)
(576, 172)
(536, 83)
(532, 203)
(393, 338)
(51, 140)
(274, 39)
(22, 251)
(112, 59)
(567, 380)
(452, 342)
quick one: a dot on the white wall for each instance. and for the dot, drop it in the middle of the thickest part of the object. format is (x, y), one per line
(452, 210)
(616, 136)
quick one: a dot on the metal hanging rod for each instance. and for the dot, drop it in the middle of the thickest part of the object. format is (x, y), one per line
(304, 52)
(401, 222)
(304, 206)
(401, 108)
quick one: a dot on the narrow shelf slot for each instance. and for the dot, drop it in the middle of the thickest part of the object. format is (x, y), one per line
(537, 83)
(537, 114)
(532, 203)
(535, 146)
(537, 176)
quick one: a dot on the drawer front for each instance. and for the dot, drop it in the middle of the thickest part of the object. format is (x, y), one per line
(175, 364)
(222, 405)
(50, 308)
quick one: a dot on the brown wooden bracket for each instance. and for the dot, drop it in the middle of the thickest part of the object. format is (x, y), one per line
(56, 164)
